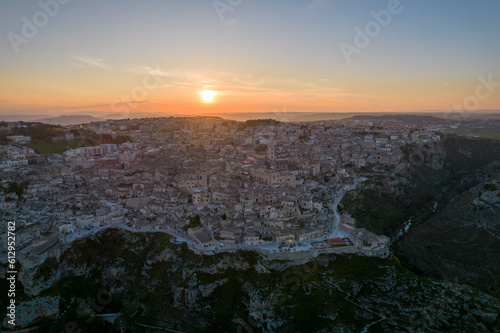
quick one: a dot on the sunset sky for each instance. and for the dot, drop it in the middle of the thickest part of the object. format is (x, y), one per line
(158, 56)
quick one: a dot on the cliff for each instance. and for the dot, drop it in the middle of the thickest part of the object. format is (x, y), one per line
(150, 281)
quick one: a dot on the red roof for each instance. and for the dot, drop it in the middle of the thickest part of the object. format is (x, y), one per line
(336, 241)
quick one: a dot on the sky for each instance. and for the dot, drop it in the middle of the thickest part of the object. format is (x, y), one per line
(158, 56)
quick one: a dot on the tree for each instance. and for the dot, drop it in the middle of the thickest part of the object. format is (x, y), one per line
(261, 148)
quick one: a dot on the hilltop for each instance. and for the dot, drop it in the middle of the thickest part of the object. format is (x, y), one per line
(70, 120)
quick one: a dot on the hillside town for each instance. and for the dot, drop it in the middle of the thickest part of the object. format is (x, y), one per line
(216, 184)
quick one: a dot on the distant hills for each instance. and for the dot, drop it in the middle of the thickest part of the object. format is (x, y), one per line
(244, 116)
(70, 120)
(318, 116)
(55, 120)
(17, 117)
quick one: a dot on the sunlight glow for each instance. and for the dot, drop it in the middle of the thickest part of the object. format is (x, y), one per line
(208, 96)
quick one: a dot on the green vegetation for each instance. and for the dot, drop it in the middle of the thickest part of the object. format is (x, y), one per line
(46, 269)
(43, 135)
(107, 138)
(468, 154)
(37, 131)
(444, 236)
(16, 188)
(194, 221)
(98, 139)
(44, 147)
(378, 213)
(261, 148)
(260, 122)
(490, 187)
(331, 292)
(384, 212)
(487, 130)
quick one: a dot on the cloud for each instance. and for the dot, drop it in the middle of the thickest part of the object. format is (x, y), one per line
(89, 62)
(242, 85)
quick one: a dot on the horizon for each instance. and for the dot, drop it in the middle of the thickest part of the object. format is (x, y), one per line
(72, 119)
(205, 58)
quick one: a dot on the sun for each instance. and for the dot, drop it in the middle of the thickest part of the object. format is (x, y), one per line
(208, 96)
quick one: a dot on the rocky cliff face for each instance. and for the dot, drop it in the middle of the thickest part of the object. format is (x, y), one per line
(36, 308)
(392, 195)
(460, 243)
(150, 281)
(447, 207)
(432, 155)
